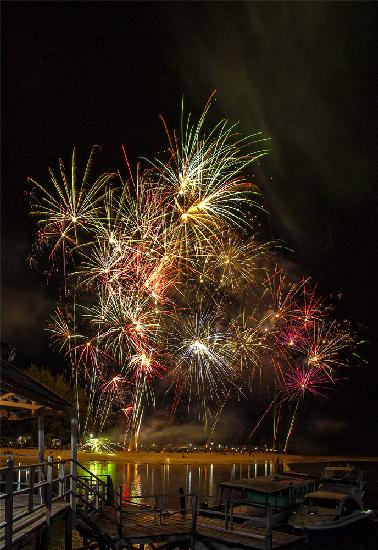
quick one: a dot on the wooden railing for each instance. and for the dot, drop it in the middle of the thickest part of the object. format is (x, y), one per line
(48, 482)
(68, 480)
(193, 505)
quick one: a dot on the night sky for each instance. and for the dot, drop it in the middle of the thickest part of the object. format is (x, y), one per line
(78, 74)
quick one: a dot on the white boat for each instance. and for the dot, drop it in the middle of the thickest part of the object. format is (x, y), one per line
(347, 480)
(327, 515)
(335, 508)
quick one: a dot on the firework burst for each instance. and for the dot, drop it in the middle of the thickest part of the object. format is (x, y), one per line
(164, 277)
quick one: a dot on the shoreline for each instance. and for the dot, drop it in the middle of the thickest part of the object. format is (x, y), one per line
(143, 457)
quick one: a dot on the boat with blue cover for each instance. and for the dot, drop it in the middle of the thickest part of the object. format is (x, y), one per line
(250, 498)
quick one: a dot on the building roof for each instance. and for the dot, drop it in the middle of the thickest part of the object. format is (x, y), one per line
(268, 484)
(22, 396)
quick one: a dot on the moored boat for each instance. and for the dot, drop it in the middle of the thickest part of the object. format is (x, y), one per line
(347, 480)
(327, 515)
(247, 500)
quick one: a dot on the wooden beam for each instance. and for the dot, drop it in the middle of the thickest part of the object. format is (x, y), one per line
(6, 395)
(17, 381)
(18, 405)
(8, 415)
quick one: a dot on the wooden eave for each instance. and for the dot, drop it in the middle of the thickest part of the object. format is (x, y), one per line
(21, 396)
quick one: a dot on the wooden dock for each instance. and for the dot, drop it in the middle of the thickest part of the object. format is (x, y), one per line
(37, 493)
(32, 495)
(29, 524)
(144, 527)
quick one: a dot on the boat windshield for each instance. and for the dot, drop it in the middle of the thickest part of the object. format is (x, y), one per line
(322, 502)
(336, 474)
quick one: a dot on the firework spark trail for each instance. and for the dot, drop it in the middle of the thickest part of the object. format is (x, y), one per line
(233, 263)
(276, 427)
(326, 341)
(126, 322)
(204, 367)
(262, 417)
(291, 427)
(204, 185)
(304, 379)
(307, 347)
(70, 204)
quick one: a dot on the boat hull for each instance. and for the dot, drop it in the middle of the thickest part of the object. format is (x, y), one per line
(338, 530)
(252, 520)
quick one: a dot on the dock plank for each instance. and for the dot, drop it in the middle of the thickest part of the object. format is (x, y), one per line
(25, 527)
(139, 528)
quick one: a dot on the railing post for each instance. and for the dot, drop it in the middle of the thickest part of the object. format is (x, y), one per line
(31, 488)
(226, 514)
(49, 489)
(231, 514)
(109, 490)
(41, 441)
(182, 500)
(268, 532)
(155, 509)
(19, 477)
(9, 479)
(119, 512)
(73, 468)
(194, 522)
(194, 513)
(86, 489)
(97, 499)
(68, 531)
(61, 490)
(103, 488)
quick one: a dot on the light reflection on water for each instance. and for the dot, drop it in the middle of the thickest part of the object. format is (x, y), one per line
(149, 479)
(166, 479)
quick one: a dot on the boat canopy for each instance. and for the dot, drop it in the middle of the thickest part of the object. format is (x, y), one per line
(269, 484)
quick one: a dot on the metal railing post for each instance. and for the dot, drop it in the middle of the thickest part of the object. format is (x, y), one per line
(231, 514)
(9, 479)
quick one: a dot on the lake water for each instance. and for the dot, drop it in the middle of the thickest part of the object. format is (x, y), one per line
(149, 479)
